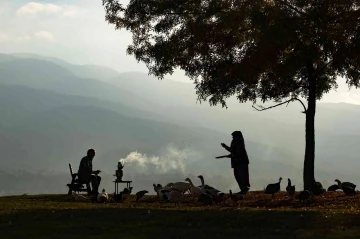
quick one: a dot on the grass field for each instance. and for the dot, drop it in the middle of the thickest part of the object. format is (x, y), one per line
(258, 216)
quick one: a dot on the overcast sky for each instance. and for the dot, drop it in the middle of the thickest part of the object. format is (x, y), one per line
(76, 31)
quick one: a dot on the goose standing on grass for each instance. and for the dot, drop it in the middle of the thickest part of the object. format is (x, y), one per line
(273, 188)
(157, 187)
(290, 189)
(209, 190)
(206, 199)
(175, 196)
(140, 195)
(317, 188)
(219, 197)
(195, 191)
(181, 186)
(348, 188)
(333, 188)
(102, 197)
(80, 198)
(169, 185)
(161, 191)
(345, 184)
(126, 193)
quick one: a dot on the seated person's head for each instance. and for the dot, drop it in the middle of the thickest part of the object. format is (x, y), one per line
(91, 153)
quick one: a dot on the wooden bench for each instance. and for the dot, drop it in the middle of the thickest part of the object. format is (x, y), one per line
(128, 185)
(77, 185)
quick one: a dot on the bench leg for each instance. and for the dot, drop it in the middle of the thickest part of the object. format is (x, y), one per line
(88, 189)
(70, 187)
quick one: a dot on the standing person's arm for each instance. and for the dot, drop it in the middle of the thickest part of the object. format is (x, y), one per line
(226, 147)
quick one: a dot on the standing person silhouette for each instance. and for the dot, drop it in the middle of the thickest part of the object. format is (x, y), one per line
(239, 161)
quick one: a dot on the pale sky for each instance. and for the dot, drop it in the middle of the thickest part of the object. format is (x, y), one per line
(76, 31)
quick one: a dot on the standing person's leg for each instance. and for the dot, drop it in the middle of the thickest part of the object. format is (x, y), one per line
(244, 175)
(237, 176)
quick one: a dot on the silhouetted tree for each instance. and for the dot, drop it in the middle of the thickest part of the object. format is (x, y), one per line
(255, 49)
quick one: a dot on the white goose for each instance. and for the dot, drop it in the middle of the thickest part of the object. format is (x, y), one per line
(80, 198)
(181, 186)
(175, 197)
(102, 197)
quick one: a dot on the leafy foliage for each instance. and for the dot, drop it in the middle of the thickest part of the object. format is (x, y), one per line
(254, 49)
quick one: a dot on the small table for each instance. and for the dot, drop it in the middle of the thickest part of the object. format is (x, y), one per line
(128, 184)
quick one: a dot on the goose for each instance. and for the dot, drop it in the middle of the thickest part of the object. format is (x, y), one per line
(80, 198)
(348, 188)
(181, 186)
(102, 197)
(164, 194)
(273, 188)
(195, 191)
(317, 188)
(160, 190)
(290, 189)
(206, 199)
(349, 191)
(140, 194)
(169, 185)
(219, 197)
(157, 187)
(175, 196)
(207, 187)
(333, 188)
(304, 195)
(126, 192)
(235, 197)
(345, 184)
(209, 190)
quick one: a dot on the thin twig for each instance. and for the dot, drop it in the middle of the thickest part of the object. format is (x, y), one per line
(273, 106)
(284, 2)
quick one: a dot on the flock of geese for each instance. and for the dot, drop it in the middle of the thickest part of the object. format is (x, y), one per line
(174, 192)
(316, 189)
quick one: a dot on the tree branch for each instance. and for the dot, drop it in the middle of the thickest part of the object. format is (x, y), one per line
(288, 101)
(285, 3)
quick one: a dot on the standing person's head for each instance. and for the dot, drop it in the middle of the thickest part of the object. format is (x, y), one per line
(91, 153)
(237, 135)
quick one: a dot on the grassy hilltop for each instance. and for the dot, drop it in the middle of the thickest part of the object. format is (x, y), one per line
(258, 216)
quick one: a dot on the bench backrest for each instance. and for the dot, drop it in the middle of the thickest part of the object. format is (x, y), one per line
(71, 171)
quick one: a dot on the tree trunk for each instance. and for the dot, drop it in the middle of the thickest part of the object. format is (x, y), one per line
(309, 161)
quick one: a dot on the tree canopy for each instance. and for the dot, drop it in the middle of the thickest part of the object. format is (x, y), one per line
(253, 49)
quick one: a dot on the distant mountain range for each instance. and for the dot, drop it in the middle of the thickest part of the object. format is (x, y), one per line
(52, 111)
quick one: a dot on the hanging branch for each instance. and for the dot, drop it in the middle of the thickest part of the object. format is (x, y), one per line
(261, 108)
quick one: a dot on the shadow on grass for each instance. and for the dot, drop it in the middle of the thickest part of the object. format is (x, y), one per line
(142, 223)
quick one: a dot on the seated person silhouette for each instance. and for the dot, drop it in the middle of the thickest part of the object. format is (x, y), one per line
(86, 173)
